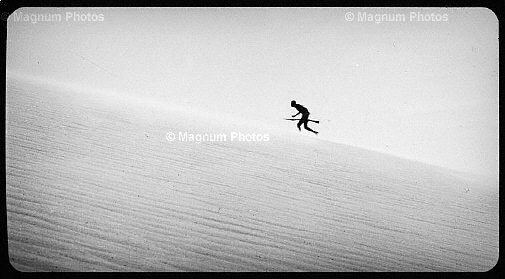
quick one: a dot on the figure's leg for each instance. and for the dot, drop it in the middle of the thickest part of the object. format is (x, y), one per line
(307, 127)
(303, 120)
(299, 124)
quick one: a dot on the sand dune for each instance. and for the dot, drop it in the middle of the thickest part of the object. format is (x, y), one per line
(94, 185)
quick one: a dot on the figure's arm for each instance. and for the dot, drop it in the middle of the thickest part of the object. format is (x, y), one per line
(295, 114)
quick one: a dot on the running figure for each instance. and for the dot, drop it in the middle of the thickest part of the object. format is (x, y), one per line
(305, 116)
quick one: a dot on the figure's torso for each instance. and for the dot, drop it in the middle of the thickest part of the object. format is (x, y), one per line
(301, 109)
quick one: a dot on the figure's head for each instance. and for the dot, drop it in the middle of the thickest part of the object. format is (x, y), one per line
(293, 103)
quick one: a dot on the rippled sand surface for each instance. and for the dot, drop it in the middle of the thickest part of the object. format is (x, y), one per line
(93, 185)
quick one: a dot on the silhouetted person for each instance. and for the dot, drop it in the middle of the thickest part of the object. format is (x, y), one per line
(305, 117)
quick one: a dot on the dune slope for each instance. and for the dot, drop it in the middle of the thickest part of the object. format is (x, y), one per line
(94, 185)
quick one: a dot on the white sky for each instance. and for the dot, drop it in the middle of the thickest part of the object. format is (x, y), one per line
(422, 90)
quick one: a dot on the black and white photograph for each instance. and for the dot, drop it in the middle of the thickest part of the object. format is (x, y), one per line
(234, 139)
